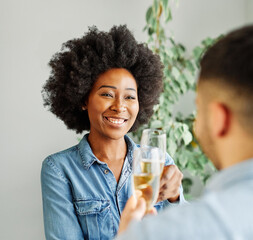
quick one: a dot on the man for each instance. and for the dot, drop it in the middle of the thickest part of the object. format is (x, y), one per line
(224, 128)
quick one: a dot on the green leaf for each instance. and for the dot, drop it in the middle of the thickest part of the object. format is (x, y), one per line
(149, 14)
(183, 159)
(187, 183)
(187, 137)
(185, 128)
(153, 24)
(190, 66)
(197, 51)
(175, 52)
(181, 47)
(161, 36)
(172, 147)
(176, 87)
(161, 99)
(191, 167)
(181, 81)
(165, 4)
(168, 15)
(208, 42)
(150, 31)
(175, 72)
(156, 124)
(189, 77)
(156, 6)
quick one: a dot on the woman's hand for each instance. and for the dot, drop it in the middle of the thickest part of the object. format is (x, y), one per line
(170, 182)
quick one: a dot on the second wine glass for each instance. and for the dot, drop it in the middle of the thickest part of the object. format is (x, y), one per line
(155, 138)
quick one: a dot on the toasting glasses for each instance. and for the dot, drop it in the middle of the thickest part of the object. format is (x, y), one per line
(148, 164)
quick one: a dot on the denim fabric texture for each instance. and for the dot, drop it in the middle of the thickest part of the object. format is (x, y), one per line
(81, 197)
(224, 212)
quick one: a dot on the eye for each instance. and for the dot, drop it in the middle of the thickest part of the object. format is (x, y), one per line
(106, 94)
(131, 97)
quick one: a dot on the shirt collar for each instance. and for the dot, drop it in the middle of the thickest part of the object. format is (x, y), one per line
(88, 158)
(231, 175)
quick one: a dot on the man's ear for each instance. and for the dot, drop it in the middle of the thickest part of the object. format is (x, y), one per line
(220, 118)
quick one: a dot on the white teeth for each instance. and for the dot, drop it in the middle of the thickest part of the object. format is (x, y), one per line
(116, 121)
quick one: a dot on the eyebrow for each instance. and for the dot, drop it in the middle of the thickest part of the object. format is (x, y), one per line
(108, 86)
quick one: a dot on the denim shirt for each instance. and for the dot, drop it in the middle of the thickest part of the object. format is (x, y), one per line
(81, 197)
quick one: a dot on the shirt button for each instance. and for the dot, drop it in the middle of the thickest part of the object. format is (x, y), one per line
(106, 171)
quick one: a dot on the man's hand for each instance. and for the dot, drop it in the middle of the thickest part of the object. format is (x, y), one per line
(171, 180)
(135, 209)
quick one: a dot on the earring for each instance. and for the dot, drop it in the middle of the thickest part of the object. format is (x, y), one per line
(84, 108)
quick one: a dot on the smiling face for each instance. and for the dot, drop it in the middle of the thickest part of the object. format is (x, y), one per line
(113, 104)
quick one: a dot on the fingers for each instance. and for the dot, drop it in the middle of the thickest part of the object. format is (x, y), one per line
(131, 204)
(170, 182)
(168, 173)
(140, 209)
(152, 211)
(161, 197)
(138, 193)
(135, 207)
(174, 181)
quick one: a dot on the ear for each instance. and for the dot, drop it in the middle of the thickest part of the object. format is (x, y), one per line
(84, 107)
(220, 118)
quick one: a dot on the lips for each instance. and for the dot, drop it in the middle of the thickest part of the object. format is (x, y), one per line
(115, 121)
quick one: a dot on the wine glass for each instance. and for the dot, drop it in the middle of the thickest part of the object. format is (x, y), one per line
(155, 138)
(146, 174)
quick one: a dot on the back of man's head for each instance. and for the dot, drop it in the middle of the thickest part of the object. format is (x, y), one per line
(227, 67)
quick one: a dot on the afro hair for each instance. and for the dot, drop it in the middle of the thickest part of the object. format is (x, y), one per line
(77, 66)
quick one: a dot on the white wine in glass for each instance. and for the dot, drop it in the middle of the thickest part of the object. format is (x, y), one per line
(146, 174)
(155, 138)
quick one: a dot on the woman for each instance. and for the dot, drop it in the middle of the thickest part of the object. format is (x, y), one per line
(106, 83)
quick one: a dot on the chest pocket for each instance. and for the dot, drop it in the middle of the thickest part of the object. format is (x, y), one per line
(95, 218)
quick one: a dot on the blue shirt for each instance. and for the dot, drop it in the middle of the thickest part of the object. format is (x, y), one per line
(81, 197)
(224, 212)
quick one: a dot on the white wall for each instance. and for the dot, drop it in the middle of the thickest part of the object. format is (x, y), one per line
(249, 11)
(31, 31)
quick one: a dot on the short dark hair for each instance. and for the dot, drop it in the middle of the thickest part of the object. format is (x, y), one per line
(229, 62)
(80, 62)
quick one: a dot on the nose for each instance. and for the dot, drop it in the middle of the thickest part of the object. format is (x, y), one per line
(118, 106)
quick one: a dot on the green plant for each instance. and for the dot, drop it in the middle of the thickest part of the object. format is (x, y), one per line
(180, 72)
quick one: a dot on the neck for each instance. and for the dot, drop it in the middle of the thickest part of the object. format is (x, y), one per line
(236, 151)
(106, 149)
